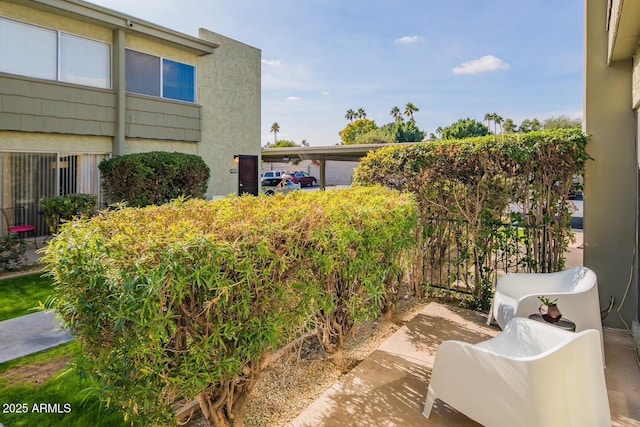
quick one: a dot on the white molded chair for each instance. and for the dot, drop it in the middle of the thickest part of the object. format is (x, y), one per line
(532, 374)
(575, 288)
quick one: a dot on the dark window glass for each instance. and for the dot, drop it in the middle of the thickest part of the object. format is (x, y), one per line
(143, 73)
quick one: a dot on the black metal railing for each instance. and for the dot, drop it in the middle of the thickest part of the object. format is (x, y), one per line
(467, 258)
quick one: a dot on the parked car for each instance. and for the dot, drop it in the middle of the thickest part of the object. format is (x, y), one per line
(302, 178)
(286, 185)
(271, 178)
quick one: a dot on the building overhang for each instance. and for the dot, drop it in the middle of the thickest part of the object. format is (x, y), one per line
(345, 153)
(102, 16)
(624, 29)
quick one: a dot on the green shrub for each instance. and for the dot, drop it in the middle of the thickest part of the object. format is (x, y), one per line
(472, 181)
(153, 178)
(187, 299)
(65, 208)
(12, 252)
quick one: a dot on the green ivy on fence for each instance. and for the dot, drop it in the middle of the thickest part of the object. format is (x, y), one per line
(474, 183)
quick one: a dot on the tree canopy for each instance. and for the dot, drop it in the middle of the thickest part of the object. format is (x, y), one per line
(532, 125)
(404, 131)
(361, 130)
(465, 128)
(561, 122)
(282, 143)
(353, 130)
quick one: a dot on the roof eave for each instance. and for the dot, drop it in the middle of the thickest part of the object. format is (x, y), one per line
(112, 19)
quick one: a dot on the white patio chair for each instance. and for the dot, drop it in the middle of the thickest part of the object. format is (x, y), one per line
(532, 374)
(575, 288)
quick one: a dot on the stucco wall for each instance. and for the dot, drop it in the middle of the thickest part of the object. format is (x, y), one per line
(229, 92)
(146, 145)
(56, 22)
(152, 47)
(610, 195)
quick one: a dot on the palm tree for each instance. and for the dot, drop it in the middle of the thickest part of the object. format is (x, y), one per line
(488, 117)
(396, 114)
(350, 115)
(497, 120)
(439, 132)
(409, 109)
(275, 128)
(361, 114)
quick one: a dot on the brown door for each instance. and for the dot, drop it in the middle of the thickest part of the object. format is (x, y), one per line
(248, 175)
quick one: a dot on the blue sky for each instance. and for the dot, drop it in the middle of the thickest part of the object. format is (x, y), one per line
(452, 59)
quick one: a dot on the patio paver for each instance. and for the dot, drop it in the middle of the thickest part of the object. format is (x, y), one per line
(389, 387)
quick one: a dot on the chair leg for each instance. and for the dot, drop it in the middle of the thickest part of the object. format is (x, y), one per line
(490, 317)
(428, 404)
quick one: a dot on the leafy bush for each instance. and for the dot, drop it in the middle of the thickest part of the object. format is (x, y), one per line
(153, 178)
(188, 299)
(472, 181)
(12, 252)
(376, 136)
(402, 131)
(65, 208)
(352, 131)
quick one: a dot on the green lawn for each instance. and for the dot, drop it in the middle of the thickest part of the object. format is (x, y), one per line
(67, 399)
(40, 389)
(21, 295)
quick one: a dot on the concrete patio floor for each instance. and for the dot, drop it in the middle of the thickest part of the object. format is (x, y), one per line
(389, 387)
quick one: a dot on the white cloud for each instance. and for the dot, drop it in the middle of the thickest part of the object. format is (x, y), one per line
(481, 65)
(294, 98)
(272, 62)
(325, 93)
(408, 40)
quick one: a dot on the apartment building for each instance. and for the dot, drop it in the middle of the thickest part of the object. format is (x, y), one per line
(80, 83)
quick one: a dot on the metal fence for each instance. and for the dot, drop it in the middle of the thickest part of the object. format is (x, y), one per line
(461, 257)
(28, 178)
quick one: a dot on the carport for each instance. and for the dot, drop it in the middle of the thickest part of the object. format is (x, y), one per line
(345, 153)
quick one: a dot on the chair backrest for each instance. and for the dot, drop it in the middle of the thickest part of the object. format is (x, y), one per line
(523, 337)
(14, 216)
(583, 279)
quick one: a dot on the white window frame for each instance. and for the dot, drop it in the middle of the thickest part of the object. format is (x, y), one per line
(58, 70)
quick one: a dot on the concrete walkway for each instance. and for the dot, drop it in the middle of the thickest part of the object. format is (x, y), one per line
(389, 387)
(29, 334)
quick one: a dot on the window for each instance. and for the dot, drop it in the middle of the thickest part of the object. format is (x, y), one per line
(143, 73)
(161, 77)
(178, 80)
(85, 62)
(33, 51)
(28, 50)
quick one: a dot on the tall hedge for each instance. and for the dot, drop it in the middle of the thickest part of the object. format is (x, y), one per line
(473, 181)
(187, 299)
(153, 178)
